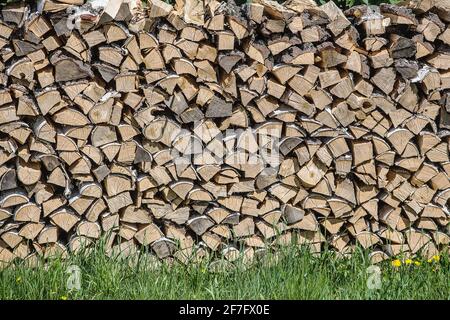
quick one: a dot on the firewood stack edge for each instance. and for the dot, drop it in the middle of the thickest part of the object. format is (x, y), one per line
(206, 129)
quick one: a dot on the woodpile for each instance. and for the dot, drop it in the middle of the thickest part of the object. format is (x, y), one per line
(210, 128)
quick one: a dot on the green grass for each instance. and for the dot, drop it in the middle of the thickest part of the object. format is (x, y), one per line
(295, 275)
(340, 3)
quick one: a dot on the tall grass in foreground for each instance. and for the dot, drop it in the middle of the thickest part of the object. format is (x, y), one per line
(296, 274)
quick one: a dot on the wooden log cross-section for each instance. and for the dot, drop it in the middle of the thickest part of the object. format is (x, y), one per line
(201, 129)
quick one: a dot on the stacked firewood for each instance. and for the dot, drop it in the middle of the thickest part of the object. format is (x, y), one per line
(207, 128)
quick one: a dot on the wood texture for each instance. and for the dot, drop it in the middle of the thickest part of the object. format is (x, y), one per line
(201, 128)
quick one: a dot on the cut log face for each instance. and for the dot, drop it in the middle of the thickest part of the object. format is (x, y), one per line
(69, 69)
(28, 172)
(193, 129)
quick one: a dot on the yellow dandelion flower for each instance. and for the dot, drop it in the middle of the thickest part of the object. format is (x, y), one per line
(435, 258)
(396, 263)
(417, 263)
(63, 297)
(408, 261)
